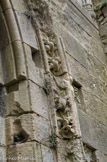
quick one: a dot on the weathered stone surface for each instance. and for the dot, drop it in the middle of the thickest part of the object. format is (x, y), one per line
(76, 69)
(18, 153)
(47, 154)
(75, 49)
(105, 50)
(89, 76)
(8, 65)
(89, 152)
(26, 102)
(19, 5)
(25, 97)
(2, 102)
(27, 32)
(39, 103)
(17, 100)
(100, 156)
(67, 152)
(71, 17)
(104, 10)
(35, 70)
(1, 9)
(103, 30)
(2, 154)
(97, 50)
(93, 133)
(6, 4)
(3, 33)
(96, 67)
(2, 132)
(32, 126)
(1, 72)
(19, 59)
(95, 107)
(34, 152)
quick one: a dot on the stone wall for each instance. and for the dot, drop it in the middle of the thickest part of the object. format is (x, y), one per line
(88, 66)
(39, 93)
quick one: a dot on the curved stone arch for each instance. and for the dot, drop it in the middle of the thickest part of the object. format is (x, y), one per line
(12, 60)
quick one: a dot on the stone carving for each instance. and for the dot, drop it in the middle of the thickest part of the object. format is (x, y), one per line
(53, 51)
(66, 128)
(61, 103)
(55, 65)
(49, 45)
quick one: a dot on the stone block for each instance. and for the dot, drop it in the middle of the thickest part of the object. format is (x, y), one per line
(26, 96)
(27, 31)
(33, 152)
(35, 71)
(78, 71)
(39, 103)
(104, 10)
(96, 67)
(105, 50)
(19, 5)
(96, 49)
(17, 99)
(29, 151)
(93, 132)
(82, 19)
(47, 154)
(2, 102)
(75, 49)
(3, 154)
(98, 88)
(93, 78)
(95, 107)
(100, 156)
(8, 65)
(103, 31)
(1, 71)
(2, 132)
(3, 32)
(29, 126)
(1, 9)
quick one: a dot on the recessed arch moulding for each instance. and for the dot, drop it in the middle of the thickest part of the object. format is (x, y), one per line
(12, 59)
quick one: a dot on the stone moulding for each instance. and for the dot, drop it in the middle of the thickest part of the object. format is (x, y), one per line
(16, 41)
(61, 53)
(42, 47)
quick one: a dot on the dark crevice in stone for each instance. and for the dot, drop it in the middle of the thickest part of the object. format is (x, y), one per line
(2, 102)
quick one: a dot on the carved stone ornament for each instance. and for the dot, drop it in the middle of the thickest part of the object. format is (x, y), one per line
(49, 45)
(55, 65)
(54, 58)
(66, 129)
(61, 103)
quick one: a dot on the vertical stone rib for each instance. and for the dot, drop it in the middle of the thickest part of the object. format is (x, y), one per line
(42, 47)
(61, 54)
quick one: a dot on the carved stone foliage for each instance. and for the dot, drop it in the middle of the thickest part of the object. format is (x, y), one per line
(61, 103)
(66, 128)
(54, 56)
